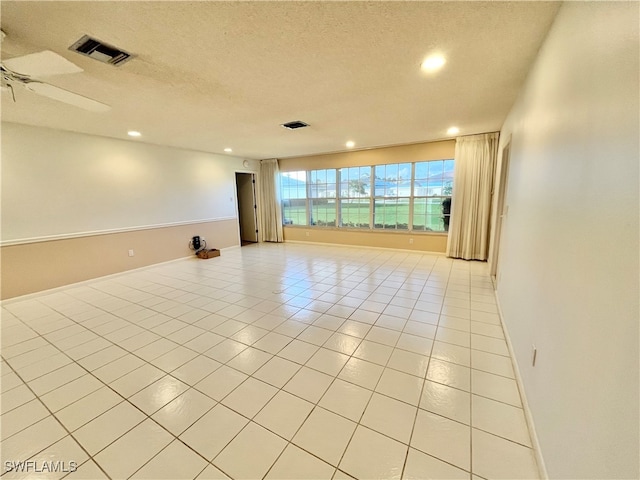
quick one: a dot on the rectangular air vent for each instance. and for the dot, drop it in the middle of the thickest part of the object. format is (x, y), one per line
(100, 51)
(294, 125)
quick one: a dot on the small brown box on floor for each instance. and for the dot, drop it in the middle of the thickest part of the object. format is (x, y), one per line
(208, 253)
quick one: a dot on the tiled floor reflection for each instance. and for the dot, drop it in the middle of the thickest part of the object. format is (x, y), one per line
(271, 361)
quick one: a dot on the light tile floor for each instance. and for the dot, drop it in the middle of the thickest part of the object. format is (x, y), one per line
(271, 361)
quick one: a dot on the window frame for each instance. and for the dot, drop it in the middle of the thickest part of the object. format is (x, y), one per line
(364, 198)
(311, 198)
(283, 199)
(397, 198)
(371, 198)
(441, 197)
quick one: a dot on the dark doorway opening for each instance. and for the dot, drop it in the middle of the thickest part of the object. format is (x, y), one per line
(247, 208)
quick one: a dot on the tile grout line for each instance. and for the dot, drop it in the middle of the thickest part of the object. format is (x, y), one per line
(316, 405)
(125, 399)
(250, 345)
(51, 414)
(470, 395)
(420, 397)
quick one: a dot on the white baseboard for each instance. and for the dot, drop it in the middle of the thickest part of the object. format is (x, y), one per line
(542, 468)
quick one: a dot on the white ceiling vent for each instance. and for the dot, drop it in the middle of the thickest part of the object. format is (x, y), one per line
(294, 125)
(100, 51)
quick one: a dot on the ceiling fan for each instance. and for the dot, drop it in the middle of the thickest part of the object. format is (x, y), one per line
(29, 69)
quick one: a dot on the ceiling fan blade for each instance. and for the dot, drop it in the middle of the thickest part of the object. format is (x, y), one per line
(41, 64)
(66, 96)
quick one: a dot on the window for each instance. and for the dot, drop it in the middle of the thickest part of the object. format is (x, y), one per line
(432, 188)
(322, 197)
(399, 196)
(355, 197)
(392, 196)
(294, 198)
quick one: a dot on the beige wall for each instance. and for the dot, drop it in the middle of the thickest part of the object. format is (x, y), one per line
(32, 267)
(416, 152)
(378, 156)
(568, 276)
(422, 242)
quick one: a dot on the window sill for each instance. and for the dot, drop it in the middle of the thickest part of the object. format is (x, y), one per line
(368, 230)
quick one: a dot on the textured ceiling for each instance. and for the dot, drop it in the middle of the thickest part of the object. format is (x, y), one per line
(210, 75)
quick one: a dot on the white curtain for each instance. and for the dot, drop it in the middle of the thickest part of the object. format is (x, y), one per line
(473, 177)
(270, 207)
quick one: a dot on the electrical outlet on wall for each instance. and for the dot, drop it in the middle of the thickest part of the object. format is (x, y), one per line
(411, 241)
(131, 254)
(306, 233)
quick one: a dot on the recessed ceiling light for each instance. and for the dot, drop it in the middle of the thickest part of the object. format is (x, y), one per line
(350, 144)
(433, 63)
(453, 131)
(133, 133)
(228, 150)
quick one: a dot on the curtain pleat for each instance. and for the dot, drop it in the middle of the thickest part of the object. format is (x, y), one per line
(473, 177)
(270, 207)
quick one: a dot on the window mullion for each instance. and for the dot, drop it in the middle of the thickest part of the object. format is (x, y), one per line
(372, 195)
(411, 195)
(338, 206)
(308, 201)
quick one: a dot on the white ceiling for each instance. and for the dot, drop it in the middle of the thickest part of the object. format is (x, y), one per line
(210, 75)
